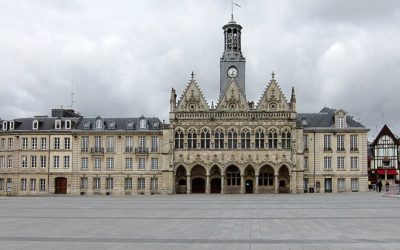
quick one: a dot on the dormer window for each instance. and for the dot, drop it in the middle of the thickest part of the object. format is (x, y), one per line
(4, 125)
(341, 122)
(86, 125)
(129, 125)
(143, 124)
(57, 124)
(99, 124)
(304, 121)
(111, 125)
(35, 124)
(156, 125)
(68, 124)
(12, 125)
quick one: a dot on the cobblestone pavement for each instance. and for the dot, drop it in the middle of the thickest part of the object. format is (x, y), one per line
(309, 221)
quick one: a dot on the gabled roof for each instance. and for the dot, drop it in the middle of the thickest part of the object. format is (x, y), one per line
(273, 98)
(232, 99)
(385, 131)
(192, 98)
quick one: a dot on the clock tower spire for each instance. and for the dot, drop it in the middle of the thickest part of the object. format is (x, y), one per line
(232, 62)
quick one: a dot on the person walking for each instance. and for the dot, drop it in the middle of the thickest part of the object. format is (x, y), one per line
(387, 186)
(380, 186)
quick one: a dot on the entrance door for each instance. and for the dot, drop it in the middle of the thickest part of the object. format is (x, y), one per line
(249, 186)
(328, 185)
(61, 185)
(198, 186)
(216, 186)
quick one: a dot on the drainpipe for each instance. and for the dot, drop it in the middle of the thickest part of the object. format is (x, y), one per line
(315, 187)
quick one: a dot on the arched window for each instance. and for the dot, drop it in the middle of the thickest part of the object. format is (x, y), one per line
(219, 138)
(178, 138)
(99, 124)
(260, 138)
(272, 139)
(205, 138)
(286, 139)
(245, 136)
(192, 139)
(232, 138)
(143, 123)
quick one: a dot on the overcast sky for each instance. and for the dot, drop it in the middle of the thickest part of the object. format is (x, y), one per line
(124, 57)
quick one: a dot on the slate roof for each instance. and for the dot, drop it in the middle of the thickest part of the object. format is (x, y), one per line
(324, 119)
(78, 123)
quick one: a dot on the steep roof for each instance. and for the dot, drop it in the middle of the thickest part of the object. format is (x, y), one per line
(324, 119)
(385, 131)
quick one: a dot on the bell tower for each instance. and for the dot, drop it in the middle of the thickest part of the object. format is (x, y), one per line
(232, 62)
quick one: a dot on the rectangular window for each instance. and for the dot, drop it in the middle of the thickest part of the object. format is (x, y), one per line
(84, 183)
(154, 163)
(97, 163)
(67, 124)
(33, 184)
(305, 162)
(128, 163)
(340, 163)
(327, 163)
(43, 143)
(341, 185)
(56, 161)
(353, 142)
(23, 184)
(354, 163)
(33, 161)
(110, 144)
(96, 182)
(154, 183)
(327, 142)
(340, 142)
(128, 144)
(85, 144)
(10, 143)
(42, 186)
(56, 143)
(9, 161)
(3, 143)
(34, 143)
(354, 184)
(2, 184)
(24, 143)
(110, 163)
(43, 161)
(128, 183)
(67, 143)
(66, 161)
(2, 161)
(142, 163)
(97, 143)
(110, 183)
(142, 142)
(85, 163)
(141, 183)
(154, 144)
(24, 161)
(305, 142)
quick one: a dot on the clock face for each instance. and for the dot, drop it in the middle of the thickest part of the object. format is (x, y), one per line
(232, 72)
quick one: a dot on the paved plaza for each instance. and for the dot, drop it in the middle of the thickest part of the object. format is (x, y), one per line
(308, 221)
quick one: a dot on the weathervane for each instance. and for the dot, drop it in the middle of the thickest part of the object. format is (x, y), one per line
(232, 4)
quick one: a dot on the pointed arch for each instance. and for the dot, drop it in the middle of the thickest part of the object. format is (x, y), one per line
(273, 138)
(219, 138)
(232, 137)
(205, 137)
(245, 137)
(179, 137)
(286, 138)
(192, 138)
(259, 137)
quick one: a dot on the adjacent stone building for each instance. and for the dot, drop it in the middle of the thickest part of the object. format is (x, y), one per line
(234, 146)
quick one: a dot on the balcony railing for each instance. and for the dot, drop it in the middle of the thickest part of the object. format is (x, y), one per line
(154, 149)
(141, 150)
(96, 150)
(128, 149)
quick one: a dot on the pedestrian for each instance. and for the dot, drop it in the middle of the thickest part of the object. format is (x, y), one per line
(380, 186)
(387, 186)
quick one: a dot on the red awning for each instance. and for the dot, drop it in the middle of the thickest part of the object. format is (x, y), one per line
(388, 171)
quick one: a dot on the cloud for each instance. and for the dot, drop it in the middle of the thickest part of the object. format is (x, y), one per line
(123, 57)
